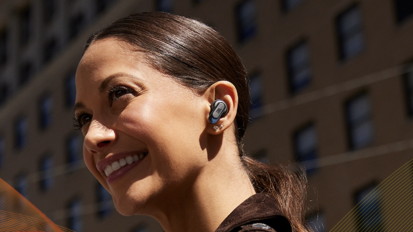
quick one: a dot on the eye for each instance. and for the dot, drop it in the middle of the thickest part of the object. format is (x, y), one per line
(118, 91)
(81, 119)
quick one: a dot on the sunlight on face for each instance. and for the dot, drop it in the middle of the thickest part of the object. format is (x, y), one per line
(142, 129)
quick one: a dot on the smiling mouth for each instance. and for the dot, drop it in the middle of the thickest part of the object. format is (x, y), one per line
(123, 162)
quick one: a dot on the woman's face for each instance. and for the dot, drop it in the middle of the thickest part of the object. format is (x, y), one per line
(144, 132)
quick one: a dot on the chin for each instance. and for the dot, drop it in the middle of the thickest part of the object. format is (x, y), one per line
(130, 204)
(127, 207)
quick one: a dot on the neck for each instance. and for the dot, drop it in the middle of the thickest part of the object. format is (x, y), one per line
(218, 189)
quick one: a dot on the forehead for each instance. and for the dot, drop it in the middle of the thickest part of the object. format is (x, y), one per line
(108, 57)
(108, 53)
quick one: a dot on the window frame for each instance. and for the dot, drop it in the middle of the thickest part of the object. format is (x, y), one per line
(293, 72)
(49, 8)
(74, 217)
(21, 137)
(169, 5)
(310, 155)
(344, 38)
(407, 80)
(402, 17)
(256, 102)
(22, 176)
(350, 128)
(72, 160)
(358, 201)
(45, 111)
(103, 201)
(25, 24)
(46, 172)
(288, 8)
(70, 89)
(4, 46)
(247, 28)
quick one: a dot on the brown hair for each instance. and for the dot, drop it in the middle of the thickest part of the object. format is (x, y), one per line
(198, 56)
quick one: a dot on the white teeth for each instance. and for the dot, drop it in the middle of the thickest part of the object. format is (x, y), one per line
(129, 159)
(108, 170)
(122, 162)
(115, 165)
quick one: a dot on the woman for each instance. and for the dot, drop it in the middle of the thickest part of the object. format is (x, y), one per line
(147, 87)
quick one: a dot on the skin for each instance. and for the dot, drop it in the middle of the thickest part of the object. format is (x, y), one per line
(188, 165)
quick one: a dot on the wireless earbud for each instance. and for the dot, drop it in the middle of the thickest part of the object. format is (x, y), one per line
(218, 109)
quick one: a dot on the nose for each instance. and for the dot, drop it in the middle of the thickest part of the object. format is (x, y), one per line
(98, 137)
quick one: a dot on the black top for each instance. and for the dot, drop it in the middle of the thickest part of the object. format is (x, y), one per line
(259, 213)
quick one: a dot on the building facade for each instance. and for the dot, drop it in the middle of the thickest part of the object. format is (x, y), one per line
(331, 89)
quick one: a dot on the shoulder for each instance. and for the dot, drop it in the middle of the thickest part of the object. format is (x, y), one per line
(259, 213)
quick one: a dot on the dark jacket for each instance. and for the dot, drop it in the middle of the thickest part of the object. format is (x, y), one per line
(259, 213)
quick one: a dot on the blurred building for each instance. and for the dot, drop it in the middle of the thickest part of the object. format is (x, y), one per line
(331, 84)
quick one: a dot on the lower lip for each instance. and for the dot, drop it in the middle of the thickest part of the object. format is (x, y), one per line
(122, 171)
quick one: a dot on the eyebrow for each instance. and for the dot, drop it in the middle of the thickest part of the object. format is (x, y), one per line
(104, 85)
(79, 105)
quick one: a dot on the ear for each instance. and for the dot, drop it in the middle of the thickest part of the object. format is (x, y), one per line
(225, 91)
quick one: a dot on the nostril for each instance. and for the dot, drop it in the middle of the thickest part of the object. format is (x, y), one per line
(104, 143)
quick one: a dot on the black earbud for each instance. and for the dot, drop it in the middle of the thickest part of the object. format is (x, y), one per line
(218, 109)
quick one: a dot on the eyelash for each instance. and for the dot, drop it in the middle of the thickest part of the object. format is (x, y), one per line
(78, 118)
(115, 90)
(111, 95)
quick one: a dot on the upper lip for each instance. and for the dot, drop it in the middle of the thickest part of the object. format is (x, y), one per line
(110, 159)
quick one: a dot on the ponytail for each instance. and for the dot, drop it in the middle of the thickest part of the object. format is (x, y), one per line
(287, 187)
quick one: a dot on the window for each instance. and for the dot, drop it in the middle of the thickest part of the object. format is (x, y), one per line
(197, 1)
(102, 5)
(74, 219)
(246, 14)
(256, 96)
(164, 5)
(70, 90)
(25, 73)
(104, 200)
(316, 222)
(140, 228)
(305, 146)
(3, 46)
(45, 112)
(368, 209)
(298, 63)
(359, 123)
(73, 152)
(404, 10)
(4, 92)
(288, 5)
(21, 185)
(50, 49)
(349, 32)
(20, 130)
(408, 87)
(46, 172)
(2, 151)
(25, 25)
(76, 25)
(49, 10)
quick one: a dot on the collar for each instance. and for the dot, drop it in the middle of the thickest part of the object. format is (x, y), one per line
(259, 207)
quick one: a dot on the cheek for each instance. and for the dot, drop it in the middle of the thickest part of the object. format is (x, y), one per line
(90, 164)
